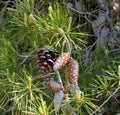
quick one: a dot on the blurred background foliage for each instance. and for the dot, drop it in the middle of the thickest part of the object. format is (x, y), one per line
(27, 25)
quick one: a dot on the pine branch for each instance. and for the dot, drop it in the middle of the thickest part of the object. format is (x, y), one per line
(106, 101)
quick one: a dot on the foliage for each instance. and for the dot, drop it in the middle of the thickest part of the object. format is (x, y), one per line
(28, 25)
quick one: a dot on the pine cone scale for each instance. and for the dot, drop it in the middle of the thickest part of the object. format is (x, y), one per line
(72, 70)
(46, 57)
(61, 61)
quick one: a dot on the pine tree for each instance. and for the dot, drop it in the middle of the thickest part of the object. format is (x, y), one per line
(79, 72)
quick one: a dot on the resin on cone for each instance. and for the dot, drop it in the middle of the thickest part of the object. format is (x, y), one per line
(72, 70)
(61, 61)
(46, 57)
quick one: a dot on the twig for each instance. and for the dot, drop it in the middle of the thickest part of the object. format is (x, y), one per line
(43, 76)
(68, 43)
(91, 46)
(41, 92)
(114, 50)
(87, 52)
(66, 83)
(88, 13)
(59, 79)
(106, 101)
(88, 19)
(27, 56)
(83, 13)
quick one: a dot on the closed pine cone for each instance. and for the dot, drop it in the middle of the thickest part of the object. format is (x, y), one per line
(72, 71)
(46, 57)
(61, 61)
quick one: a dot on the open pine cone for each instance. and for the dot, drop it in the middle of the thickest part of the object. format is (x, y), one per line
(72, 70)
(61, 61)
(46, 57)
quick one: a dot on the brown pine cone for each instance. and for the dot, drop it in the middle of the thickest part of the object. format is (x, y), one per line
(72, 70)
(46, 57)
(61, 61)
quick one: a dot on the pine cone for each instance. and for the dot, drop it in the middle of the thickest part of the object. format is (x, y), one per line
(46, 57)
(61, 61)
(72, 70)
(51, 83)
